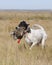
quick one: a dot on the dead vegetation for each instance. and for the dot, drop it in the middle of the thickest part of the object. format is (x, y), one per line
(12, 53)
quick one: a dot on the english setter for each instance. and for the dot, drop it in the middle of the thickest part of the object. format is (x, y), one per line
(32, 36)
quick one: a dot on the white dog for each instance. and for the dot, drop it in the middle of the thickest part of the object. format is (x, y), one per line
(32, 36)
(36, 36)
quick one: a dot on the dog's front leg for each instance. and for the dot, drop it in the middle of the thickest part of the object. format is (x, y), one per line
(33, 44)
(43, 43)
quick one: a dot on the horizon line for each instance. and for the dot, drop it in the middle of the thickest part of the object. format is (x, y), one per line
(28, 9)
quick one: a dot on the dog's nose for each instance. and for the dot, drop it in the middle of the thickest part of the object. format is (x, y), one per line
(14, 33)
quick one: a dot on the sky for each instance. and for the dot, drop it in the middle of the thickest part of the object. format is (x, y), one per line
(26, 4)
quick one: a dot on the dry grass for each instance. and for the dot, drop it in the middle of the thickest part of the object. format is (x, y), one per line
(12, 53)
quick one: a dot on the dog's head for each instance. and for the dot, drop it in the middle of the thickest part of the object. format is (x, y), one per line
(17, 34)
(20, 30)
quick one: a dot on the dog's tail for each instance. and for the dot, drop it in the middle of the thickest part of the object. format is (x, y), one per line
(37, 25)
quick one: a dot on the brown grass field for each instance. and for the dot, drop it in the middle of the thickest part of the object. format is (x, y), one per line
(12, 53)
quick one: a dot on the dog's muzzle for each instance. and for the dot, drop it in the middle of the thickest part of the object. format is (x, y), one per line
(16, 36)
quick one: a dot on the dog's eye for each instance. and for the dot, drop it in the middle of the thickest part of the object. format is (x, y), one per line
(15, 27)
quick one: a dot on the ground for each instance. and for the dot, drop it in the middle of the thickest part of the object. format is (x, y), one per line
(12, 53)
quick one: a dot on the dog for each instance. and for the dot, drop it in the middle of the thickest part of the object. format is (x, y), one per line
(32, 36)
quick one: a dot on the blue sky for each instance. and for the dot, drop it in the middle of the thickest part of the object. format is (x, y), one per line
(26, 4)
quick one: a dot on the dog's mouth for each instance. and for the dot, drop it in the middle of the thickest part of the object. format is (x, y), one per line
(18, 41)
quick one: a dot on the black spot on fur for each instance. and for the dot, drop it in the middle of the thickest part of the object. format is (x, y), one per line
(23, 24)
